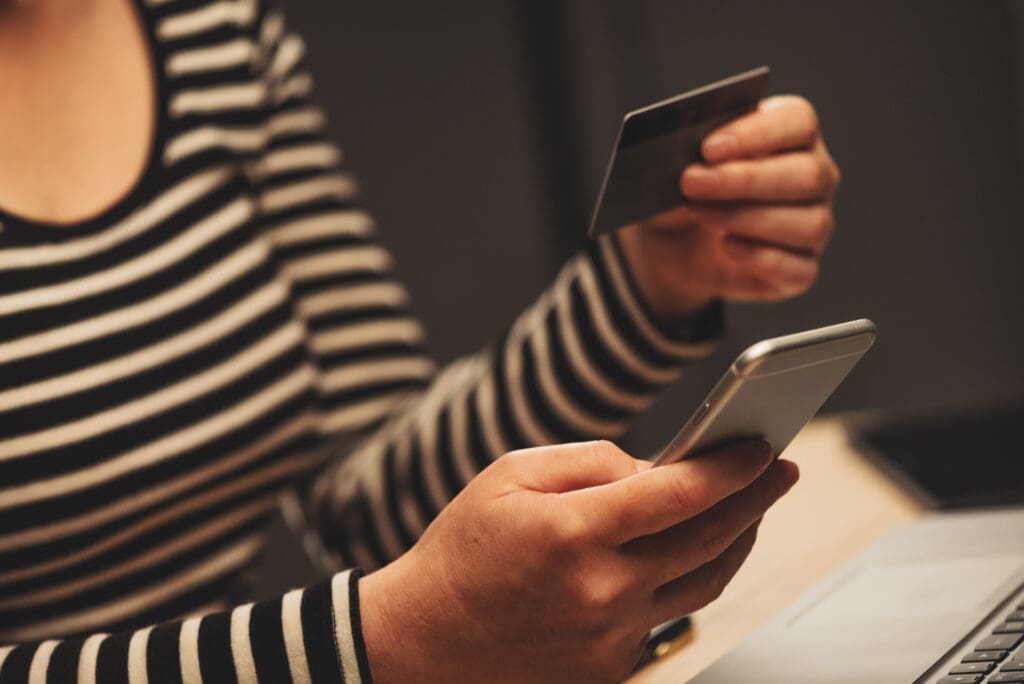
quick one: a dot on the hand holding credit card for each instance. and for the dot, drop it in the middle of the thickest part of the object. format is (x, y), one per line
(657, 142)
(718, 194)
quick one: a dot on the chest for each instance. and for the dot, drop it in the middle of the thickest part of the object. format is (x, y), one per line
(79, 107)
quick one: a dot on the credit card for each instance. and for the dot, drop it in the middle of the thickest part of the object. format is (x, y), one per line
(657, 142)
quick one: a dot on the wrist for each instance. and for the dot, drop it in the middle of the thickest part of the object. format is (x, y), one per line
(385, 649)
(666, 303)
(397, 628)
(688, 316)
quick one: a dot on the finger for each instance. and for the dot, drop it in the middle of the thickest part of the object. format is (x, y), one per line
(789, 177)
(785, 122)
(676, 219)
(800, 227)
(659, 498)
(692, 592)
(759, 272)
(565, 467)
(663, 557)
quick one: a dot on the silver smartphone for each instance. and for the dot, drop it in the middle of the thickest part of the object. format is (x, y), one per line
(773, 389)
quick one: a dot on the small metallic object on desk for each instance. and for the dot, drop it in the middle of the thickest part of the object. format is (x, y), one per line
(666, 638)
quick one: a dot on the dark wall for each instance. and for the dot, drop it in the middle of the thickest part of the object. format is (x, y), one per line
(480, 131)
(920, 105)
(429, 102)
(436, 106)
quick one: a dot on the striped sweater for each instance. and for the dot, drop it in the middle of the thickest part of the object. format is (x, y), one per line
(232, 332)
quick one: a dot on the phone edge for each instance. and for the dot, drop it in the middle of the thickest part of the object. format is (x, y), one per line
(689, 434)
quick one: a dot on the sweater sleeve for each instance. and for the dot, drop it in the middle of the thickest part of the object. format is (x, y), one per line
(307, 636)
(575, 365)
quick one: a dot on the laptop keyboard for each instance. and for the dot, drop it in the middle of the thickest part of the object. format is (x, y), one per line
(998, 657)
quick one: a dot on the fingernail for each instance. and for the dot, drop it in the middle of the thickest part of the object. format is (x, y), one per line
(699, 180)
(720, 146)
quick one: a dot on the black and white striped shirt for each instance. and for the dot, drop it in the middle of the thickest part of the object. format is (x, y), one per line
(231, 331)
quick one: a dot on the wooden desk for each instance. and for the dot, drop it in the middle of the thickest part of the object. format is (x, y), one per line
(841, 504)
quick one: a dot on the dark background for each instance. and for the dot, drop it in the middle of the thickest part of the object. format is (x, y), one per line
(480, 130)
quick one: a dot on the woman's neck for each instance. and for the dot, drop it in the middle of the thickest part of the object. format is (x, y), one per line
(79, 111)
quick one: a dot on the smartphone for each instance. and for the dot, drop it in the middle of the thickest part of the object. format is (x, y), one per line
(773, 389)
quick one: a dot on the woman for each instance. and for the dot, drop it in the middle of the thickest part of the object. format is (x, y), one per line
(195, 317)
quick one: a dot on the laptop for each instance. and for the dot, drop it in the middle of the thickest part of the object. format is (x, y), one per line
(938, 601)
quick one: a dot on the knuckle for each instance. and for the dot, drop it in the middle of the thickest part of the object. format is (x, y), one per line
(751, 537)
(823, 226)
(769, 492)
(681, 495)
(811, 276)
(606, 450)
(598, 594)
(771, 260)
(798, 284)
(815, 179)
(719, 581)
(502, 463)
(713, 537)
(745, 130)
(561, 544)
(510, 463)
(837, 174)
(715, 582)
(570, 533)
(780, 485)
(808, 115)
(505, 468)
(596, 611)
(605, 453)
(741, 177)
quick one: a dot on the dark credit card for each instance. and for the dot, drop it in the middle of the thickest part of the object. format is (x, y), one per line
(657, 142)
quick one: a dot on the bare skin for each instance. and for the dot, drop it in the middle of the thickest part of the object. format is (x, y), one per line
(80, 78)
(554, 563)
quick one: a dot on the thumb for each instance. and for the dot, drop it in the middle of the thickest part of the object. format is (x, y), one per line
(567, 467)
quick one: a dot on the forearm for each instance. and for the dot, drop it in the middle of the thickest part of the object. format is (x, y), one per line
(307, 635)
